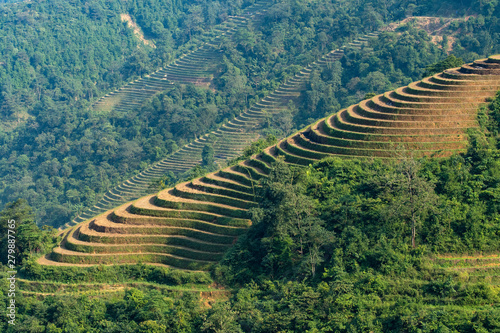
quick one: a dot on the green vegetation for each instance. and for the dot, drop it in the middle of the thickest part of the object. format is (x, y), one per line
(340, 245)
(61, 156)
(29, 239)
(114, 274)
(450, 62)
(141, 308)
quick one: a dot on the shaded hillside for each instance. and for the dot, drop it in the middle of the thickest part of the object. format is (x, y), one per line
(198, 66)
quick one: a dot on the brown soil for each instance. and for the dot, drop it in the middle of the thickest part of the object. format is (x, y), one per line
(168, 195)
(433, 26)
(137, 30)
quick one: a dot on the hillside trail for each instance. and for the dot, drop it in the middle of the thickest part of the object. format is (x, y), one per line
(432, 25)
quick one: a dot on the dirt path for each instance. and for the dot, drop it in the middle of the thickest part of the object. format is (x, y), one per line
(136, 29)
(434, 26)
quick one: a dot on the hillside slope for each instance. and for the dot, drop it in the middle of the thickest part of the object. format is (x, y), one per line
(430, 116)
(230, 139)
(191, 225)
(62, 156)
(197, 66)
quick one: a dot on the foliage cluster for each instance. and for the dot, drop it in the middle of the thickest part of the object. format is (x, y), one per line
(29, 239)
(135, 310)
(112, 274)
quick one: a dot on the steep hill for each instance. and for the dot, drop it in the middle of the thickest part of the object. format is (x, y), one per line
(191, 225)
(56, 58)
(230, 139)
(430, 116)
(62, 156)
(197, 66)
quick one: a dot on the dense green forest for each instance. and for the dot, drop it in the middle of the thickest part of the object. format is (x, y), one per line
(60, 56)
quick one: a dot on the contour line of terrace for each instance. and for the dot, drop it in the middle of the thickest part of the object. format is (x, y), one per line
(191, 225)
(231, 138)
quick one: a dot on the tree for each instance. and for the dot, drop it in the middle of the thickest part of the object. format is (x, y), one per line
(136, 64)
(221, 319)
(207, 156)
(450, 62)
(411, 196)
(29, 238)
(283, 121)
(246, 38)
(291, 233)
(235, 83)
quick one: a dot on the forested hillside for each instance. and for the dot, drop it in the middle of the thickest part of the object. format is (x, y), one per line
(341, 245)
(59, 56)
(406, 245)
(192, 224)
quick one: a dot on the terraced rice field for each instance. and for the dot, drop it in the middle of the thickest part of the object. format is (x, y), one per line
(468, 262)
(473, 268)
(429, 117)
(189, 226)
(195, 67)
(192, 225)
(231, 138)
(45, 288)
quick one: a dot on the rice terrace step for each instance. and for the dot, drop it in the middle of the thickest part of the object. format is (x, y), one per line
(191, 225)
